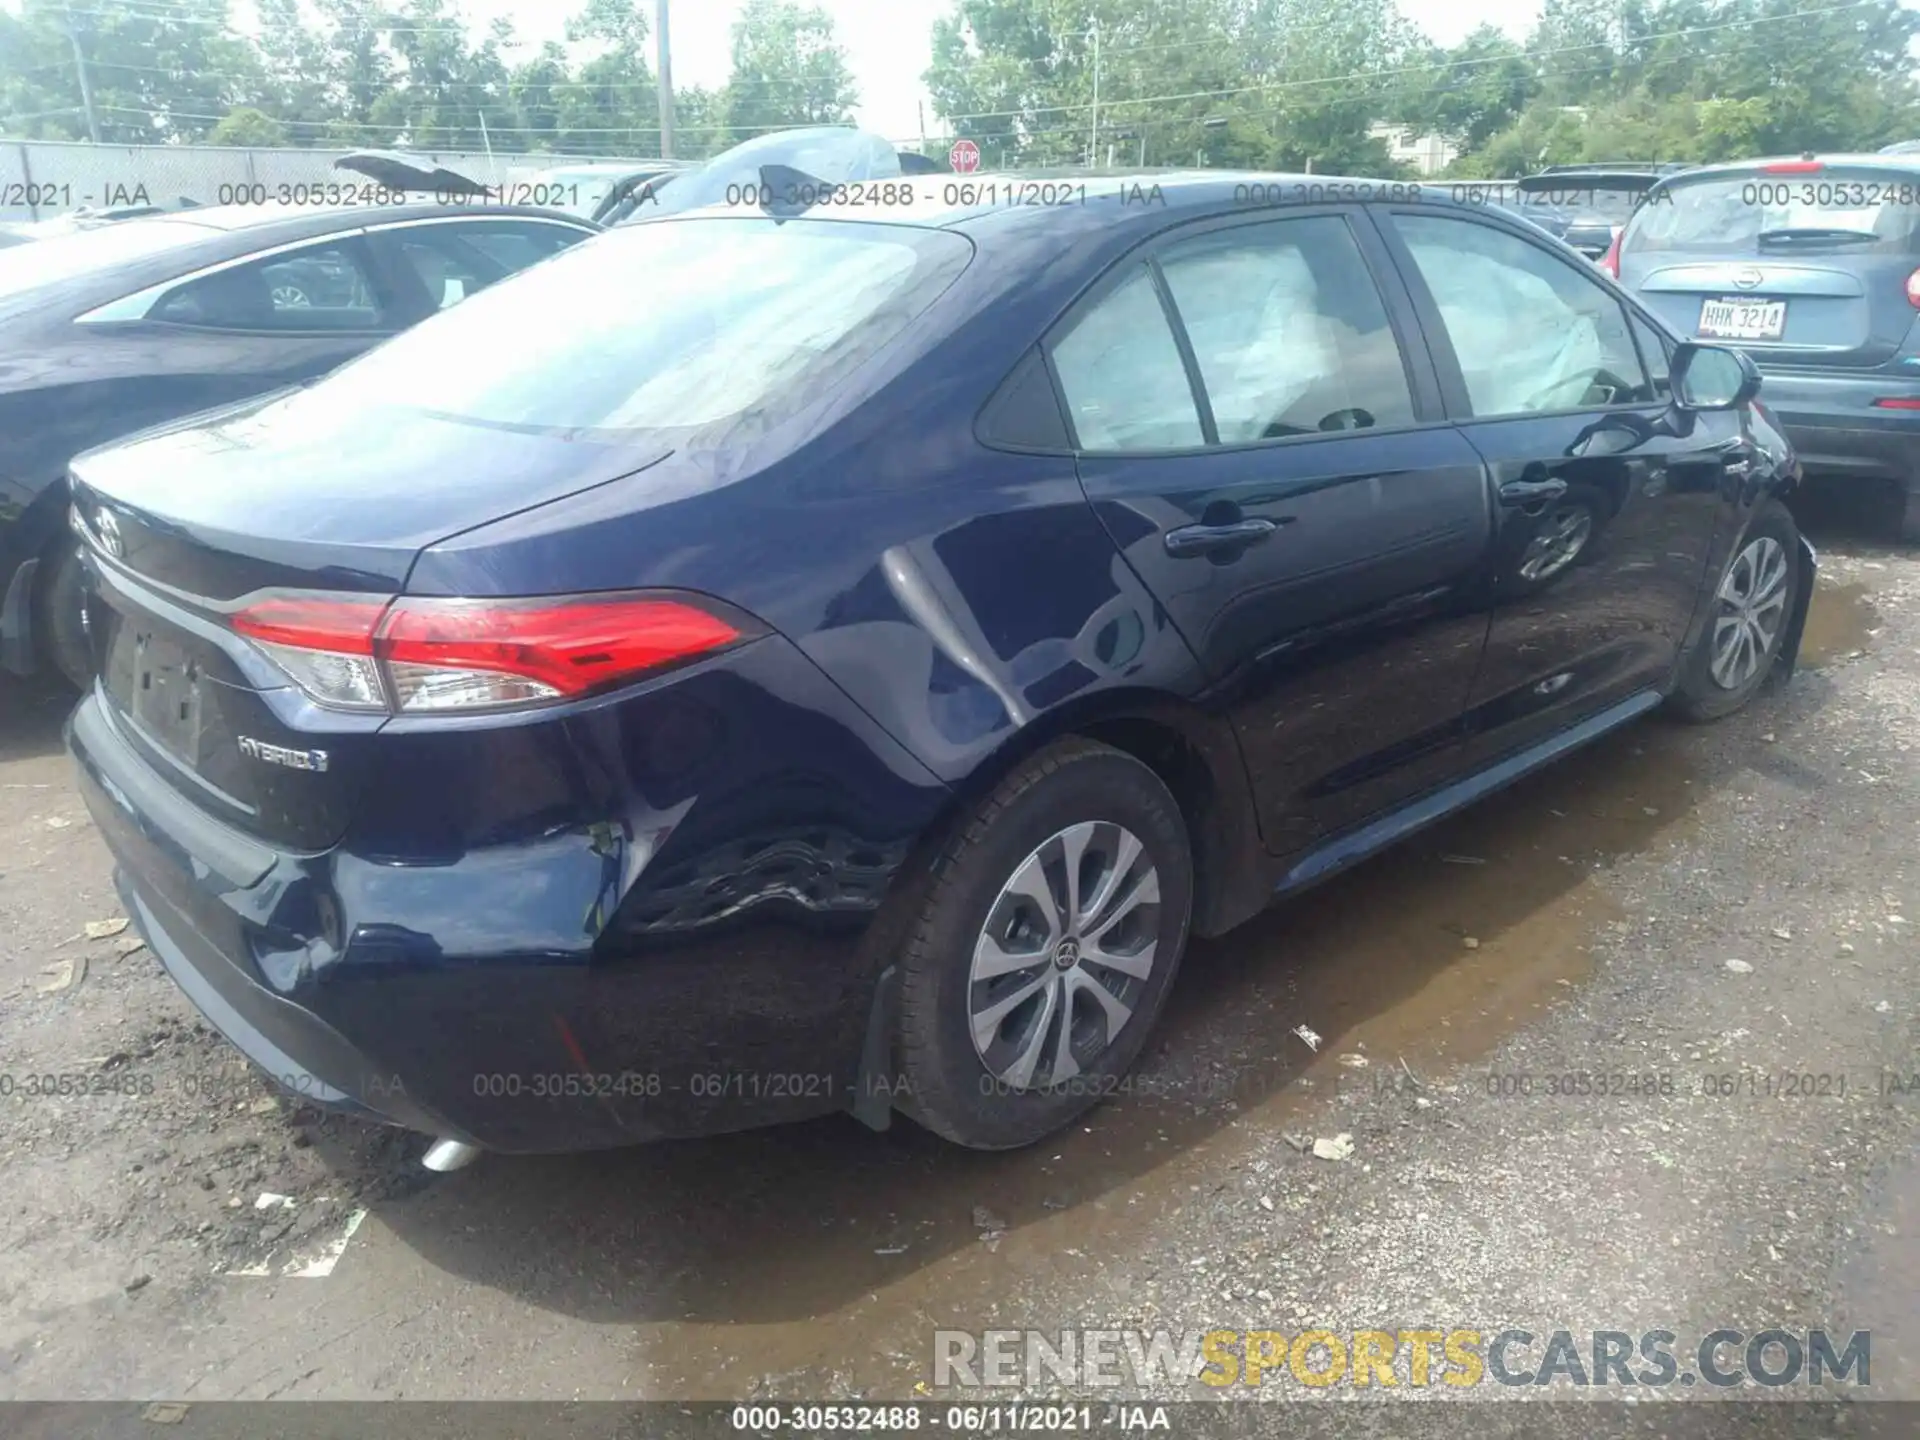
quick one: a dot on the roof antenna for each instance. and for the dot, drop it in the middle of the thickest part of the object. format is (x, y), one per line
(787, 193)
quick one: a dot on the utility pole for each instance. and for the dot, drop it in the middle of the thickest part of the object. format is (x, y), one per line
(666, 84)
(86, 90)
(1093, 141)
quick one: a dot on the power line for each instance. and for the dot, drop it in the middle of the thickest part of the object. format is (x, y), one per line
(1421, 69)
(490, 87)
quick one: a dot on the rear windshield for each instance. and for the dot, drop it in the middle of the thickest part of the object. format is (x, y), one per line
(1748, 214)
(62, 257)
(677, 325)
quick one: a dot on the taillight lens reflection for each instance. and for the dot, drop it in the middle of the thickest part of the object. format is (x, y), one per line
(1610, 262)
(323, 642)
(413, 655)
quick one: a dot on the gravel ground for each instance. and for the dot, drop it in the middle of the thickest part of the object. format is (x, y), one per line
(1582, 924)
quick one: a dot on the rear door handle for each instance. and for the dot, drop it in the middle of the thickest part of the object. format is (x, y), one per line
(1531, 492)
(1212, 539)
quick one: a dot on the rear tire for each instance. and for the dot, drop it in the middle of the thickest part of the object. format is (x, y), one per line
(1012, 1020)
(1753, 602)
(58, 616)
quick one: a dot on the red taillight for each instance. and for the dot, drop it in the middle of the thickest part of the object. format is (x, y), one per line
(420, 654)
(1897, 402)
(439, 651)
(1793, 167)
(324, 642)
(341, 623)
(1913, 289)
(1610, 262)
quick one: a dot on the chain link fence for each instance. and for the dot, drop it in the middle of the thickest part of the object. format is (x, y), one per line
(41, 179)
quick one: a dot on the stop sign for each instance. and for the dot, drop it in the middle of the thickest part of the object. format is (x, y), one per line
(964, 157)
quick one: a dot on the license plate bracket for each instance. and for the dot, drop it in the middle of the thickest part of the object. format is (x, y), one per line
(158, 686)
(1742, 317)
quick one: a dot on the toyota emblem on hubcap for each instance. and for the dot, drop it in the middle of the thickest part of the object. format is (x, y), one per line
(1066, 954)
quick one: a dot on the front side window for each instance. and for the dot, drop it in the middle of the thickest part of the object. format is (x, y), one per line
(454, 261)
(1532, 333)
(515, 246)
(322, 288)
(1289, 330)
(1653, 350)
(1120, 370)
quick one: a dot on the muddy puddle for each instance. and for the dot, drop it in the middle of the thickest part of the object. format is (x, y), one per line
(1840, 623)
(826, 1254)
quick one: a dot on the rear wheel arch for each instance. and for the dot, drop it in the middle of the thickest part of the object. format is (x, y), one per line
(42, 538)
(1195, 756)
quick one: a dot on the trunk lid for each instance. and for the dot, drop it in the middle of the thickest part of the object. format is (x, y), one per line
(410, 174)
(183, 522)
(1801, 268)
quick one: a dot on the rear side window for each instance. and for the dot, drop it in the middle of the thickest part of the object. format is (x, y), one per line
(672, 326)
(325, 287)
(1289, 331)
(1120, 369)
(1869, 212)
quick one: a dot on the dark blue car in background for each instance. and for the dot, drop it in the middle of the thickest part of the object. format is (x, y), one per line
(845, 676)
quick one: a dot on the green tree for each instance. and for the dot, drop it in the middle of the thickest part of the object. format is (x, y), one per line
(610, 105)
(1262, 83)
(788, 69)
(699, 122)
(157, 73)
(1471, 92)
(247, 126)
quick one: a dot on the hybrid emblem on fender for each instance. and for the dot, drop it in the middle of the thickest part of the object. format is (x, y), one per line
(315, 760)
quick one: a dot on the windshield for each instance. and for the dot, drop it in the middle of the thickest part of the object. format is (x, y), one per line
(64, 256)
(1741, 214)
(671, 327)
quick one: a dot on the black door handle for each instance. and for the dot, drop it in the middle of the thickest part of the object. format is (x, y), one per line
(1531, 492)
(1212, 539)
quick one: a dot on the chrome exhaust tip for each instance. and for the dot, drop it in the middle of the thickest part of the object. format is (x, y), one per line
(446, 1155)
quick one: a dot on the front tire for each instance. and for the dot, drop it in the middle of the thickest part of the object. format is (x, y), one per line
(1753, 604)
(1047, 944)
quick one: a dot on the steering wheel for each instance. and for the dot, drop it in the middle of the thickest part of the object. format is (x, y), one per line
(1350, 418)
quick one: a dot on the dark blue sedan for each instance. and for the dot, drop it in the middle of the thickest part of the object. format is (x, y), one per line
(756, 665)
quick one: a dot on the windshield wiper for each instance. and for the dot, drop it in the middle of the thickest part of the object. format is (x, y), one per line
(1813, 232)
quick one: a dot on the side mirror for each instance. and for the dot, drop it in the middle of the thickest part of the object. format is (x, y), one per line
(1712, 377)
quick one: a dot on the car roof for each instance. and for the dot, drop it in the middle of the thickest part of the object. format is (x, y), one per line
(322, 218)
(987, 203)
(610, 167)
(1899, 164)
